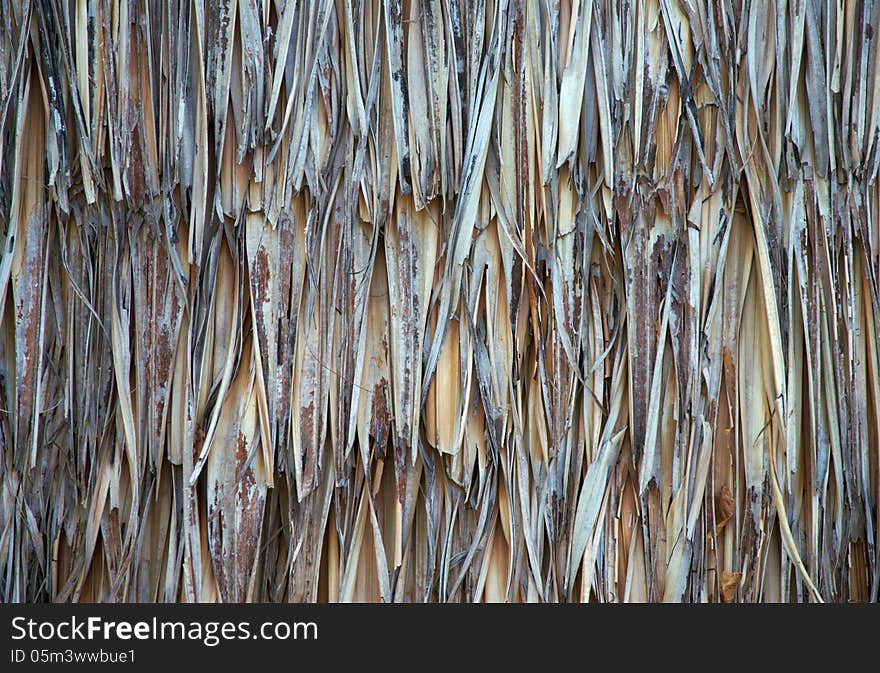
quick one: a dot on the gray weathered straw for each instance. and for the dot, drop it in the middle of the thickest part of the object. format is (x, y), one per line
(439, 300)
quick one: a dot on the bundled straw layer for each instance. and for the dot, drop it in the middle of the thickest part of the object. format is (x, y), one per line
(439, 300)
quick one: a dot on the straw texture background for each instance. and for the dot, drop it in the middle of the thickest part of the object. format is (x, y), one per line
(439, 301)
